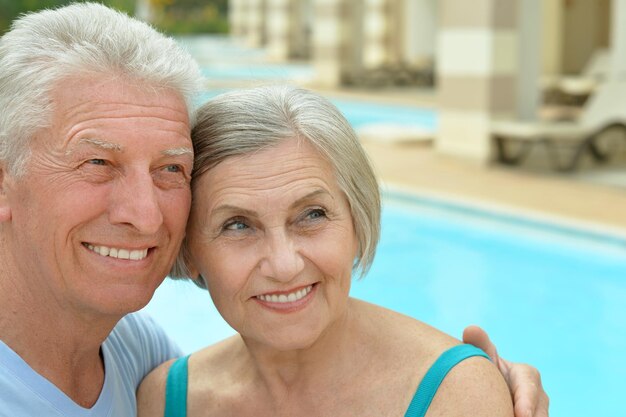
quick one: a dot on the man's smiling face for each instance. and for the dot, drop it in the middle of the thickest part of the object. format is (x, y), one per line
(98, 217)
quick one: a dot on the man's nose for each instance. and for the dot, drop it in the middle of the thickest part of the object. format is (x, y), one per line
(136, 203)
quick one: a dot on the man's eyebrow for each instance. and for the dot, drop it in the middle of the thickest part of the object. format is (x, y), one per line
(178, 152)
(101, 144)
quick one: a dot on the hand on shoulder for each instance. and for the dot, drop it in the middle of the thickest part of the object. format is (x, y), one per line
(474, 387)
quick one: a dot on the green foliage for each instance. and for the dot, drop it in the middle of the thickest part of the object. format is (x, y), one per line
(10, 9)
(173, 16)
(190, 16)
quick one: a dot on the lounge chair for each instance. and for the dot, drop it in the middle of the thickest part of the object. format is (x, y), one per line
(605, 111)
(577, 87)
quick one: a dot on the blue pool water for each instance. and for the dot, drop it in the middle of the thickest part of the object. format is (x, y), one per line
(226, 63)
(549, 295)
(361, 113)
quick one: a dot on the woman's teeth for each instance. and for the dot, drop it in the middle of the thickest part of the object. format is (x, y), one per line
(286, 298)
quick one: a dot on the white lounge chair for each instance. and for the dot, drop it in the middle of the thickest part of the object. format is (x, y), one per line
(604, 111)
(592, 75)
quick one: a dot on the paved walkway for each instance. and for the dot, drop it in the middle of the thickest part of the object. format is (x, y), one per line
(422, 169)
(583, 196)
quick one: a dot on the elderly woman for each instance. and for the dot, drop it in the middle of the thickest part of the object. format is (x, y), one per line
(286, 210)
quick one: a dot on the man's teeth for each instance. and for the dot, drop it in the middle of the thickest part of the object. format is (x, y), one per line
(133, 255)
(285, 298)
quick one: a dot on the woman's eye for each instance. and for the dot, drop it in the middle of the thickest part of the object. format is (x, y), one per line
(315, 214)
(235, 225)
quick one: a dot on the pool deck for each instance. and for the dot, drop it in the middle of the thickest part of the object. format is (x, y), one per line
(421, 169)
(418, 167)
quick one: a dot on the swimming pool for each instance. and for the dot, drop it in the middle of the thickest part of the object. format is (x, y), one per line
(361, 113)
(550, 295)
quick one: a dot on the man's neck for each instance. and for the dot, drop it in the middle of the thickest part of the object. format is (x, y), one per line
(60, 345)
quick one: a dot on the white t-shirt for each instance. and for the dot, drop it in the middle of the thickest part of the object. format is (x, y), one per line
(134, 347)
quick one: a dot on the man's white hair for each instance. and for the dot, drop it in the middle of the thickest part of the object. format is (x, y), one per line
(82, 39)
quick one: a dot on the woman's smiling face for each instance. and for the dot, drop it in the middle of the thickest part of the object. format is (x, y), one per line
(272, 234)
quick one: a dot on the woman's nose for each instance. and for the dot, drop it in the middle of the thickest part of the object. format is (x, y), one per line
(282, 261)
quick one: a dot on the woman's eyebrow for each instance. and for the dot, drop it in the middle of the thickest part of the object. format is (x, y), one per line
(232, 208)
(252, 213)
(310, 196)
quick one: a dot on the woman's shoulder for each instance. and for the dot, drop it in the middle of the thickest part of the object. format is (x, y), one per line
(151, 391)
(401, 333)
(473, 387)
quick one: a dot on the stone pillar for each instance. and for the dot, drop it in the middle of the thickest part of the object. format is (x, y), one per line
(289, 25)
(237, 18)
(376, 33)
(552, 38)
(279, 28)
(617, 42)
(529, 70)
(476, 73)
(255, 23)
(419, 31)
(143, 11)
(333, 34)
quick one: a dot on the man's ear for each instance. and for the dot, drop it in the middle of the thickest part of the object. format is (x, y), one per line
(5, 208)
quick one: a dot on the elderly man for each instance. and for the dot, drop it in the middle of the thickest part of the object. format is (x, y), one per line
(96, 159)
(95, 164)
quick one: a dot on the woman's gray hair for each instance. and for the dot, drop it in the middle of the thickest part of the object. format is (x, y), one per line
(246, 121)
(46, 47)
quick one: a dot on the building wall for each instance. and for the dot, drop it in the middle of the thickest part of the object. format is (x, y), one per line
(585, 29)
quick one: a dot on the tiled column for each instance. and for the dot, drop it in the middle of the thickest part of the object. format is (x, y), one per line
(237, 17)
(530, 54)
(331, 32)
(476, 72)
(143, 10)
(618, 41)
(279, 24)
(376, 36)
(255, 23)
(419, 30)
(288, 26)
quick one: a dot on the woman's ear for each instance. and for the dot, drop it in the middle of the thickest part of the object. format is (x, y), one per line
(191, 268)
(194, 274)
(5, 208)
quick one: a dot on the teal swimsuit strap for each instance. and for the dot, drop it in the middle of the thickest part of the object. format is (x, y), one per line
(176, 389)
(435, 375)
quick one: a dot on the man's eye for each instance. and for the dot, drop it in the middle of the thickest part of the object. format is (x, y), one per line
(174, 168)
(97, 161)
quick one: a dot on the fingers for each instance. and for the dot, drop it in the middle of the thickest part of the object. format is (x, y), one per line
(476, 336)
(530, 400)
